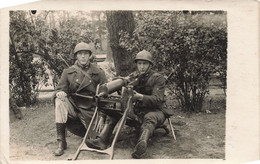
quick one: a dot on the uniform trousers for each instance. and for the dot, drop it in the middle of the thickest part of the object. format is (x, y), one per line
(149, 120)
(65, 109)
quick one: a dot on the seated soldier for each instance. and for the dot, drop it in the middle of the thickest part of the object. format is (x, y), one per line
(81, 78)
(148, 98)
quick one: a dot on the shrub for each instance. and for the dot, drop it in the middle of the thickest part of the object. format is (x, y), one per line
(49, 40)
(189, 44)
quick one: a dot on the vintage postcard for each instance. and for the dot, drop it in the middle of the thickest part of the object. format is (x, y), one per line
(130, 81)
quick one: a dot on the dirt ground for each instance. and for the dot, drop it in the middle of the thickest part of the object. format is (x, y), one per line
(199, 135)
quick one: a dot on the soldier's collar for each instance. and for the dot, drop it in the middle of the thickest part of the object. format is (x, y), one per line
(84, 67)
(146, 74)
(94, 69)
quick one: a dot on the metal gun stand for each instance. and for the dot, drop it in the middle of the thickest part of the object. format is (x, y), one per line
(125, 101)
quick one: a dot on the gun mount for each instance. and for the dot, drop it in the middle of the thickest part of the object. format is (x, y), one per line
(116, 106)
(119, 106)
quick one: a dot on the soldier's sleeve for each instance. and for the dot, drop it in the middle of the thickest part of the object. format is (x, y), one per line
(103, 78)
(157, 97)
(63, 84)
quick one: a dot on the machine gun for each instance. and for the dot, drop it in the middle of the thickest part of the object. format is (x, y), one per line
(111, 87)
(116, 85)
(111, 104)
(119, 106)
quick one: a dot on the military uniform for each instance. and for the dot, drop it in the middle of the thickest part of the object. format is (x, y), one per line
(75, 112)
(74, 81)
(79, 80)
(150, 109)
(148, 105)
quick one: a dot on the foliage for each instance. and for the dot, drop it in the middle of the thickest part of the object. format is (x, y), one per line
(192, 45)
(46, 40)
(23, 79)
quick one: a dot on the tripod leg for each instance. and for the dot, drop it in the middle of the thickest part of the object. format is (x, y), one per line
(85, 137)
(170, 123)
(121, 123)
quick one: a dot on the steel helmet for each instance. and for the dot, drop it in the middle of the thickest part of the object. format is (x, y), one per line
(82, 46)
(144, 55)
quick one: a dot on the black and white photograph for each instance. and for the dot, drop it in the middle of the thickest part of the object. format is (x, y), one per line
(86, 84)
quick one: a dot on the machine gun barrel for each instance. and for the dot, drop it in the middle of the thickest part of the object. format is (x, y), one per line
(87, 97)
(110, 87)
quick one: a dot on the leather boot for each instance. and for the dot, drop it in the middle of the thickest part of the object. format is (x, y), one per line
(141, 145)
(62, 144)
(102, 140)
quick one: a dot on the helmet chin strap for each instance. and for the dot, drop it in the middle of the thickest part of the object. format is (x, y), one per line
(83, 65)
(148, 69)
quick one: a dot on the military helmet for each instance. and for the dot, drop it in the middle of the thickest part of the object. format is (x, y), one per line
(82, 46)
(144, 55)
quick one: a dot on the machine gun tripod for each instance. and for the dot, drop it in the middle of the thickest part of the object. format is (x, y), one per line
(120, 103)
(121, 107)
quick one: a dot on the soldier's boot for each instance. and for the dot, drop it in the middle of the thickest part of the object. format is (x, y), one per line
(141, 145)
(62, 144)
(102, 140)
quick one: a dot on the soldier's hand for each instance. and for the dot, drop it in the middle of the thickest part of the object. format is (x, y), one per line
(61, 95)
(138, 96)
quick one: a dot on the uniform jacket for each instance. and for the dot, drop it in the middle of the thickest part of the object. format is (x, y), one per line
(152, 86)
(75, 81)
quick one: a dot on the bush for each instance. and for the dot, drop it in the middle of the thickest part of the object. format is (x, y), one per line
(23, 70)
(49, 40)
(192, 45)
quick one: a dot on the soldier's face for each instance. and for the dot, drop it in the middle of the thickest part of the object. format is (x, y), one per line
(83, 57)
(142, 65)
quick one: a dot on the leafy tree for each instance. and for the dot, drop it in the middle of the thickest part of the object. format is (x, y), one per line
(50, 37)
(189, 44)
(23, 71)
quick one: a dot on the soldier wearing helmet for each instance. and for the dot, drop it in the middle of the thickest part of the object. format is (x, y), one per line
(144, 61)
(81, 47)
(81, 78)
(149, 100)
(144, 55)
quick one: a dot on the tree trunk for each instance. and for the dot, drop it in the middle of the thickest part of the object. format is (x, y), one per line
(120, 21)
(109, 51)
